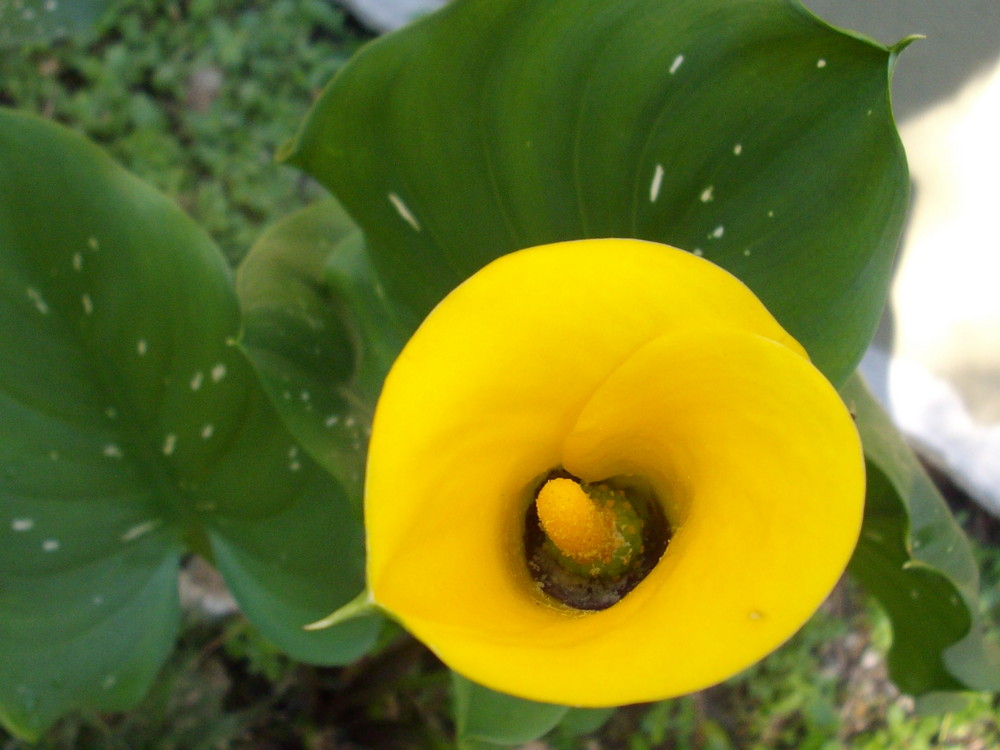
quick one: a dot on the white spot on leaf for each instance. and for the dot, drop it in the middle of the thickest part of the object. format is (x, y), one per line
(706, 194)
(140, 529)
(40, 304)
(113, 451)
(738, 149)
(678, 61)
(77, 261)
(197, 380)
(93, 244)
(403, 210)
(698, 251)
(331, 420)
(207, 430)
(654, 186)
(717, 232)
(169, 444)
(88, 304)
(821, 63)
(218, 372)
(141, 347)
(51, 545)
(22, 524)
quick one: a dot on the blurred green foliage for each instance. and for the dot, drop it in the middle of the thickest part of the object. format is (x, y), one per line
(194, 97)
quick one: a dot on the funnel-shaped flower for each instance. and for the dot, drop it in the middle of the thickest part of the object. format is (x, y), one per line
(678, 434)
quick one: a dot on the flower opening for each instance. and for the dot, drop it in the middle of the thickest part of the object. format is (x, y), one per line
(586, 569)
(594, 530)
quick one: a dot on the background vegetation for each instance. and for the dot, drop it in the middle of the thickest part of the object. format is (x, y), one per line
(195, 97)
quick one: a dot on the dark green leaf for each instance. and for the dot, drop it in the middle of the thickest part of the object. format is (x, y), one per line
(744, 130)
(112, 309)
(585, 720)
(292, 567)
(131, 428)
(486, 716)
(914, 558)
(318, 329)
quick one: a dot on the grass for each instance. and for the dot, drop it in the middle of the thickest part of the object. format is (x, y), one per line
(195, 97)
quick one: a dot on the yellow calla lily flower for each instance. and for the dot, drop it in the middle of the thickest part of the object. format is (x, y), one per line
(602, 405)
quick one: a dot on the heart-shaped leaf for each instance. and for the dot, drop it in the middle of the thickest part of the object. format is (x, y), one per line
(914, 558)
(318, 328)
(744, 130)
(131, 428)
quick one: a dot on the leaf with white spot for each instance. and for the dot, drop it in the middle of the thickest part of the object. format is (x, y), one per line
(914, 558)
(492, 126)
(113, 465)
(320, 333)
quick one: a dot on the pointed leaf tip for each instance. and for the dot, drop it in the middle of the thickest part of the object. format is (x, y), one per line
(360, 605)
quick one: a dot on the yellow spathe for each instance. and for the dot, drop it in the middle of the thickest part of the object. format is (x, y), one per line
(608, 358)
